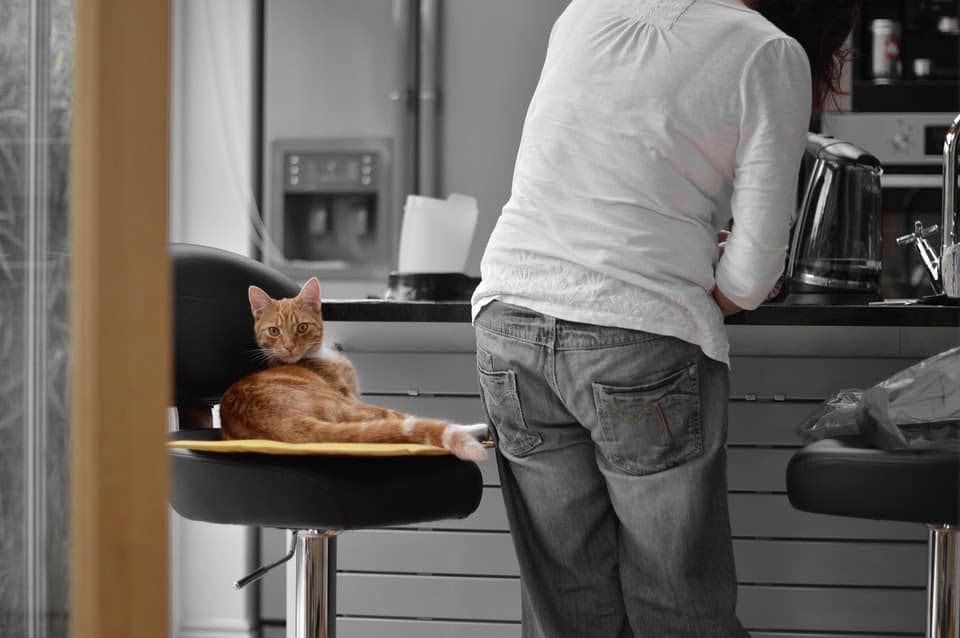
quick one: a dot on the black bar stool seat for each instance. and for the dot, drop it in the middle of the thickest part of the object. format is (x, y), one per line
(848, 477)
(315, 497)
(318, 492)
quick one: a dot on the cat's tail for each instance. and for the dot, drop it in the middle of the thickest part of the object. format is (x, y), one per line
(461, 440)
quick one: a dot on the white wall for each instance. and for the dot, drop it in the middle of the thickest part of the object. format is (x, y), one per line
(211, 150)
(211, 172)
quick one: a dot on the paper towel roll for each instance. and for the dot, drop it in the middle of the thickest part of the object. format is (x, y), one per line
(436, 234)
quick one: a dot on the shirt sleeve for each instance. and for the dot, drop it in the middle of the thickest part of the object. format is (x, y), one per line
(775, 93)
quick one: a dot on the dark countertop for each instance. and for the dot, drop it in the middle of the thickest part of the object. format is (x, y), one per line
(772, 314)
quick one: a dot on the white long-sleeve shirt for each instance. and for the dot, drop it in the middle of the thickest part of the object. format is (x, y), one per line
(653, 123)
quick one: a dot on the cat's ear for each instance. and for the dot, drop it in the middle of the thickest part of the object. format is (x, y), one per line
(310, 293)
(259, 300)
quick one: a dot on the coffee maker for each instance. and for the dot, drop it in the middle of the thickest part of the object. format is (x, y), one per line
(835, 242)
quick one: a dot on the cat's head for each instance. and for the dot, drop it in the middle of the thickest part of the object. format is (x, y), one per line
(287, 329)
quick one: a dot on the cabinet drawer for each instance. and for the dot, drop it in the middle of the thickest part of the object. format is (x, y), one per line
(767, 422)
(468, 409)
(751, 469)
(398, 628)
(807, 377)
(441, 597)
(427, 552)
(832, 609)
(781, 562)
(768, 608)
(844, 563)
(772, 516)
(416, 372)
(751, 515)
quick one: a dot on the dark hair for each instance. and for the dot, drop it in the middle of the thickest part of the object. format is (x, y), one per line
(821, 27)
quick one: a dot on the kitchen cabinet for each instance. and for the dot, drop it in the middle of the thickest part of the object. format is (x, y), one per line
(800, 574)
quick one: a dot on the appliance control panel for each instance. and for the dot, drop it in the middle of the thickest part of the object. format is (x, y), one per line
(894, 138)
(330, 171)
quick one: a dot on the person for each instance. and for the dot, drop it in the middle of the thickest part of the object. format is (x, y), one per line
(601, 353)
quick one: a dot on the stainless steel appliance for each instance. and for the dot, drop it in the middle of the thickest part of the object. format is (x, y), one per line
(331, 211)
(446, 81)
(836, 240)
(910, 149)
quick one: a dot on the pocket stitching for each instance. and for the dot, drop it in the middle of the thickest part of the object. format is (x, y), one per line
(639, 467)
(508, 379)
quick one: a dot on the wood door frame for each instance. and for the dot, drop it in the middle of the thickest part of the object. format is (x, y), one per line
(120, 358)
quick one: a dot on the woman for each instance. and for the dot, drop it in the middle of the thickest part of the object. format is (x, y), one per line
(599, 317)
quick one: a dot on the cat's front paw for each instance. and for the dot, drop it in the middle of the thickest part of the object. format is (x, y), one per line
(479, 431)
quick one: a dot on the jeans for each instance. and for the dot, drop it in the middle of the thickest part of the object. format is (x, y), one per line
(611, 451)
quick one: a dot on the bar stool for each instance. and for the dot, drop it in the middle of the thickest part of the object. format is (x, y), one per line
(314, 496)
(848, 477)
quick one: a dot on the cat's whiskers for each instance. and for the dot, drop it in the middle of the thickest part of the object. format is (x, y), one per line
(260, 355)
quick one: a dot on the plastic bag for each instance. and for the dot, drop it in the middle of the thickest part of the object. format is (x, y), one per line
(915, 409)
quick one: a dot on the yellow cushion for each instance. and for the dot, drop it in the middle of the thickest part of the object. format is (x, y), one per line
(263, 446)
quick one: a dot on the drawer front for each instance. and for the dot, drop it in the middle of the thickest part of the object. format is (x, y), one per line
(767, 423)
(788, 562)
(441, 597)
(770, 608)
(400, 628)
(427, 552)
(467, 409)
(772, 516)
(416, 372)
(751, 469)
(807, 377)
(832, 609)
(834, 563)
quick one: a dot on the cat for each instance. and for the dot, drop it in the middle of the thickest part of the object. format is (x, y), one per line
(309, 393)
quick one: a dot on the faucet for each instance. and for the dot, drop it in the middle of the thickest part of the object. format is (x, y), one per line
(944, 270)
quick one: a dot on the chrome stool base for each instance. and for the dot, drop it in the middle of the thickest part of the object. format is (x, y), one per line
(311, 585)
(943, 582)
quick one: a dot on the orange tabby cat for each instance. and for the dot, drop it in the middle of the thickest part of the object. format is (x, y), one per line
(308, 393)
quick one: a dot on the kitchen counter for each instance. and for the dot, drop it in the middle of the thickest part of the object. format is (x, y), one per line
(773, 314)
(420, 358)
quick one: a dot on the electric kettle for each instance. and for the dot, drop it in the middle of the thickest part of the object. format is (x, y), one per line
(836, 242)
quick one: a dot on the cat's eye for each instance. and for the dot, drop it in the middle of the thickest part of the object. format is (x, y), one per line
(273, 331)
(302, 328)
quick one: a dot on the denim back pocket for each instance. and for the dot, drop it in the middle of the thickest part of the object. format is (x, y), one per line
(651, 427)
(502, 403)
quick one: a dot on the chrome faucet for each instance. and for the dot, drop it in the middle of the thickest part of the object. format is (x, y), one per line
(950, 241)
(944, 270)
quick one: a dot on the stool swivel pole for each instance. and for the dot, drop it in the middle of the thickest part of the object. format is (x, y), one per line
(311, 579)
(943, 582)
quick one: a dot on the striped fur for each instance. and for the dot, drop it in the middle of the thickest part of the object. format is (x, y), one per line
(309, 393)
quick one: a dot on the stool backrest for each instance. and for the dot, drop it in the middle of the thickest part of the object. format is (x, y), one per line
(213, 327)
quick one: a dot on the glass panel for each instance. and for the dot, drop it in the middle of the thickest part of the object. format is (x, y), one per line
(36, 43)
